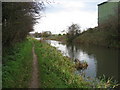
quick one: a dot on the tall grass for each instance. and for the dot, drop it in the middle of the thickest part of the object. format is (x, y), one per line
(16, 70)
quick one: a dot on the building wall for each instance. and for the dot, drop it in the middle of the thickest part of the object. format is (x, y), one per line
(107, 11)
(119, 18)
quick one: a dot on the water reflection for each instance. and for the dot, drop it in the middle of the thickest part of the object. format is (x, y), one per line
(100, 60)
(79, 53)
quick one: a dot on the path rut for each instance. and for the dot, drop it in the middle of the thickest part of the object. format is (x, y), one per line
(34, 80)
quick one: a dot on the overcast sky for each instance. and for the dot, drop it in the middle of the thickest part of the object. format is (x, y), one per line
(60, 14)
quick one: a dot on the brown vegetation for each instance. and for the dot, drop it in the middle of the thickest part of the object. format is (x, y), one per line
(80, 65)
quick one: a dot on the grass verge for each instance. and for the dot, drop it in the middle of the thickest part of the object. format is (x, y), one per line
(16, 71)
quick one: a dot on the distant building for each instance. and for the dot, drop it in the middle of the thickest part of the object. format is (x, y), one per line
(109, 12)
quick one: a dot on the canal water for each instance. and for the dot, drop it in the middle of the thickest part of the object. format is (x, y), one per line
(101, 61)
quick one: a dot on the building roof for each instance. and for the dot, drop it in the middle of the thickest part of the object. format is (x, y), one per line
(102, 3)
(108, 1)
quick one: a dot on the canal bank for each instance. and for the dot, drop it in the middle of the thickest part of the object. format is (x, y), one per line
(57, 69)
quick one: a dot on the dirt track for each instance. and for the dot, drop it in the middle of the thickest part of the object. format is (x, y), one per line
(34, 80)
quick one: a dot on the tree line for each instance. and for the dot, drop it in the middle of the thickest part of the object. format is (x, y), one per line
(42, 34)
(18, 19)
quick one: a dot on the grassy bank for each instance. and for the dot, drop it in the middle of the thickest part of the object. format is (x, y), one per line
(16, 69)
(57, 71)
(92, 36)
(61, 38)
(99, 38)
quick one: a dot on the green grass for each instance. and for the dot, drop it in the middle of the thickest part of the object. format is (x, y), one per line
(16, 70)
